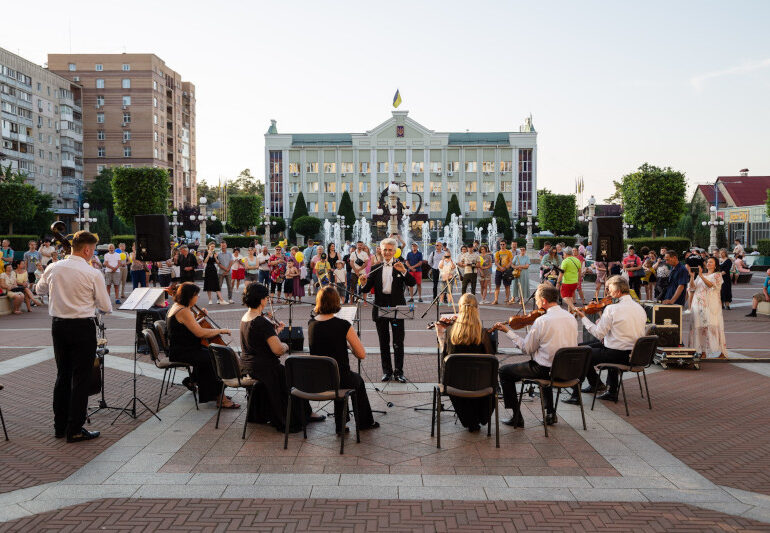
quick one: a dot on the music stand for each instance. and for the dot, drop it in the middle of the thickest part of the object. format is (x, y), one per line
(140, 299)
(101, 351)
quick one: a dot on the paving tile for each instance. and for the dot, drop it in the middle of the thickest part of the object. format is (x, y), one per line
(354, 492)
(529, 494)
(686, 496)
(547, 481)
(298, 479)
(267, 491)
(180, 491)
(602, 495)
(441, 493)
(462, 481)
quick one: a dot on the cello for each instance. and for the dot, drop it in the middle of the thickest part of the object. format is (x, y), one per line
(203, 320)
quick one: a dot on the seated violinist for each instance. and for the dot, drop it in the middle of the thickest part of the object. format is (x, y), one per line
(260, 360)
(618, 329)
(466, 335)
(551, 331)
(184, 339)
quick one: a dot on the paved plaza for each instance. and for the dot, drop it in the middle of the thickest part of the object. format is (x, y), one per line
(699, 460)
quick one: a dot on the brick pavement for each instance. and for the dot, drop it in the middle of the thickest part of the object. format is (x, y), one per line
(715, 420)
(32, 455)
(377, 515)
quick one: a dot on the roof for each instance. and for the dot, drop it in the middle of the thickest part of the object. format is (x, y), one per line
(322, 138)
(708, 192)
(492, 137)
(746, 190)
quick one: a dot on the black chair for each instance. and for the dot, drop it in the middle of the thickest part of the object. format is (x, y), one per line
(317, 378)
(160, 331)
(467, 376)
(640, 359)
(569, 367)
(164, 363)
(228, 369)
(2, 420)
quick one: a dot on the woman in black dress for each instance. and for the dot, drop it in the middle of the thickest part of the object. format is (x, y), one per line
(184, 338)
(725, 265)
(261, 350)
(210, 275)
(330, 336)
(467, 335)
(331, 254)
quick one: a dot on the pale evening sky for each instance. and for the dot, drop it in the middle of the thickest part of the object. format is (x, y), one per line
(610, 84)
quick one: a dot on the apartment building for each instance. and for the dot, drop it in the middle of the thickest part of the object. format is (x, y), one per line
(136, 112)
(473, 165)
(42, 130)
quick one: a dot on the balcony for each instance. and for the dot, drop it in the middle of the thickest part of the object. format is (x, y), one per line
(67, 163)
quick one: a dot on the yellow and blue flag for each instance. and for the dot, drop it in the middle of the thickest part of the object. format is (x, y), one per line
(397, 99)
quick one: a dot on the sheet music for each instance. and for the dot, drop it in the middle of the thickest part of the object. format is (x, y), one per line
(142, 298)
(348, 313)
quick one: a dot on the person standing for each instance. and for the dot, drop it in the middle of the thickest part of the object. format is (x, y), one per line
(112, 270)
(520, 287)
(277, 263)
(6, 252)
(569, 277)
(469, 261)
(211, 281)
(225, 263)
(75, 292)
(138, 270)
(263, 259)
(388, 282)
(633, 266)
(725, 266)
(358, 261)
(414, 264)
(738, 248)
(485, 271)
(708, 329)
(47, 253)
(32, 258)
(678, 278)
(434, 259)
(763, 296)
(187, 264)
(123, 269)
(503, 274)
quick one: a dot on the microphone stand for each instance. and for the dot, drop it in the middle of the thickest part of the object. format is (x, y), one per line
(291, 304)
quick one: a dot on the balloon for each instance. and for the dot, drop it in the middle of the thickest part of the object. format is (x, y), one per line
(122, 256)
(299, 256)
(398, 253)
(481, 261)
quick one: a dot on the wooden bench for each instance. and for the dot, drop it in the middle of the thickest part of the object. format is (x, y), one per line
(5, 305)
(744, 277)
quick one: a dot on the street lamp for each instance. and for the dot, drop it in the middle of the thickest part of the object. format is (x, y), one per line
(626, 227)
(529, 224)
(202, 218)
(713, 224)
(85, 220)
(174, 224)
(589, 219)
(267, 223)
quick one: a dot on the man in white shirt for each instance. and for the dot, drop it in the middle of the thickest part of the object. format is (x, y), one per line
(618, 329)
(75, 291)
(112, 273)
(358, 261)
(47, 253)
(554, 330)
(434, 259)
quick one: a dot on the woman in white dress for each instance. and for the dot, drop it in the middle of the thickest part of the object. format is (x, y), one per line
(708, 328)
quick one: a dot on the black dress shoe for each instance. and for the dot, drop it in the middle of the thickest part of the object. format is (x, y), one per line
(572, 400)
(551, 419)
(387, 377)
(514, 421)
(59, 434)
(400, 378)
(588, 389)
(82, 435)
(609, 395)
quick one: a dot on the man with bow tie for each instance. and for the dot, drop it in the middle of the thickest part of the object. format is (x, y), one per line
(389, 279)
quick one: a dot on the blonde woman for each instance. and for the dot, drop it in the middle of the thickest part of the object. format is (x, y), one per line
(447, 270)
(467, 335)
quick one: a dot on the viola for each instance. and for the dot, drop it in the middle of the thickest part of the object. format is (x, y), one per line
(522, 321)
(444, 321)
(594, 306)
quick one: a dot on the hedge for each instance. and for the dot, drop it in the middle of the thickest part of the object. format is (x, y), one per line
(569, 240)
(763, 245)
(677, 244)
(128, 239)
(239, 241)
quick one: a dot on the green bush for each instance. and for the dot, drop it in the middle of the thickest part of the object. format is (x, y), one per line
(763, 245)
(128, 239)
(677, 244)
(307, 226)
(140, 191)
(569, 240)
(238, 241)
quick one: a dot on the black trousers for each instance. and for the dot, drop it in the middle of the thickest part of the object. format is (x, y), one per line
(636, 284)
(74, 348)
(469, 279)
(434, 273)
(352, 380)
(602, 354)
(511, 374)
(384, 326)
(209, 386)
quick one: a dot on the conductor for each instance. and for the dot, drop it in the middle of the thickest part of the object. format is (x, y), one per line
(389, 280)
(75, 291)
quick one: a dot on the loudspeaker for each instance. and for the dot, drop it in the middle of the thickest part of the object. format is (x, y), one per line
(152, 238)
(668, 336)
(659, 313)
(607, 238)
(294, 337)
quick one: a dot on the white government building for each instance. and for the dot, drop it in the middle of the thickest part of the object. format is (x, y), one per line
(473, 165)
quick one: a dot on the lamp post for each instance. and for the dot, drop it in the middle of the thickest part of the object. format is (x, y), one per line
(174, 224)
(626, 227)
(85, 220)
(202, 218)
(713, 224)
(531, 252)
(267, 223)
(589, 219)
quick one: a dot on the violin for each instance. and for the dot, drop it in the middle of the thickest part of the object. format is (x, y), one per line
(521, 321)
(594, 306)
(447, 320)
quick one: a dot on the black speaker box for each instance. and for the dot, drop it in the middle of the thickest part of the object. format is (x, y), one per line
(668, 336)
(607, 238)
(294, 337)
(153, 237)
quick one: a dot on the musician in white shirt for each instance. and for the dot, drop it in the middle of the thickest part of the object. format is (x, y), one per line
(75, 291)
(618, 329)
(550, 332)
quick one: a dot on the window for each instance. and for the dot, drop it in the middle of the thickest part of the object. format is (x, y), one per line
(330, 186)
(470, 166)
(127, 135)
(312, 207)
(100, 151)
(154, 85)
(99, 83)
(126, 100)
(155, 151)
(126, 83)
(312, 186)
(155, 119)
(100, 100)
(453, 166)
(435, 206)
(126, 67)
(363, 207)
(382, 166)
(154, 102)
(72, 67)
(294, 187)
(330, 168)
(398, 167)
(100, 135)
(363, 167)
(418, 186)
(525, 180)
(99, 67)
(155, 136)
(435, 186)
(489, 186)
(294, 168)
(99, 168)
(453, 186)
(363, 186)
(417, 167)
(346, 167)
(435, 167)
(506, 166)
(470, 207)
(100, 118)
(330, 207)
(127, 118)
(470, 186)
(127, 151)
(311, 167)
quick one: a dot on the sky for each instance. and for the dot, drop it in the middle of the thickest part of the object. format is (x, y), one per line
(610, 85)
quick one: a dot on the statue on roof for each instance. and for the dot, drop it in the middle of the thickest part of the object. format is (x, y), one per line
(273, 129)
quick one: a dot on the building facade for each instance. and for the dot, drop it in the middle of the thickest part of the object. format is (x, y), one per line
(137, 112)
(474, 166)
(42, 130)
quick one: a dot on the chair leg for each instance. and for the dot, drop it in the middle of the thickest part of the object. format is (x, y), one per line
(219, 409)
(542, 409)
(623, 390)
(438, 420)
(2, 421)
(521, 397)
(582, 412)
(433, 414)
(639, 379)
(286, 428)
(250, 392)
(497, 422)
(170, 383)
(354, 399)
(649, 400)
(489, 423)
(195, 389)
(162, 381)
(344, 425)
(596, 389)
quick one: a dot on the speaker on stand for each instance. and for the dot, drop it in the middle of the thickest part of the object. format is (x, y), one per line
(608, 238)
(152, 237)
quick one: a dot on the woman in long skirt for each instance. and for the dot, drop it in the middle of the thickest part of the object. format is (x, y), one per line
(725, 266)
(708, 328)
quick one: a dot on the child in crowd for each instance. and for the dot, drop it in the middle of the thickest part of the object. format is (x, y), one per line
(340, 278)
(238, 270)
(288, 286)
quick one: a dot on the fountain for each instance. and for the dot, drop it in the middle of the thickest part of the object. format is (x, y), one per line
(405, 233)
(356, 231)
(366, 232)
(337, 236)
(492, 238)
(477, 234)
(425, 239)
(327, 232)
(454, 233)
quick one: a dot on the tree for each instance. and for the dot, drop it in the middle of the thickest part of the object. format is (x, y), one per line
(17, 203)
(616, 197)
(767, 203)
(300, 210)
(557, 212)
(244, 211)
(453, 207)
(98, 194)
(102, 225)
(280, 225)
(40, 224)
(206, 191)
(503, 217)
(307, 226)
(654, 197)
(346, 210)
(246, 184)
(140, 191)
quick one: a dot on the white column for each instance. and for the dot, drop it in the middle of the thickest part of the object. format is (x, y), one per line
(533, 191)
(445, 196)
(515, 183)
(372, 181)
(408, 174)
(391, 162)
(338, 187)
(303, 172)
(355, 195)
(426, 179)
(321, 192)
(285, 186)
(267, 180)
(479, 179)
(460, 181)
